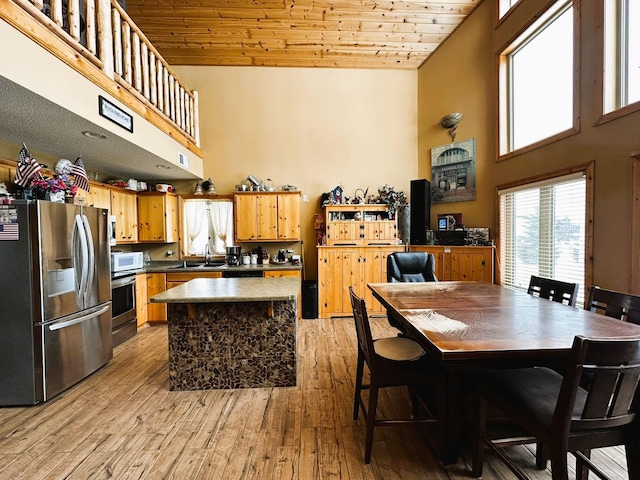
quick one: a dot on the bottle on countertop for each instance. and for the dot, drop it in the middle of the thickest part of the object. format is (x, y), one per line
(259, 255)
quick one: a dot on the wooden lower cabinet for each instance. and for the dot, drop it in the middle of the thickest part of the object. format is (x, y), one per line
(289, 273)
(142, 299)
(156, 283)
(340, 267)
(475, 264)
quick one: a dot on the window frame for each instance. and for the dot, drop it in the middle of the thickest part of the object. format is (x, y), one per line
(545, 14)
(600, 67)
(588, 170)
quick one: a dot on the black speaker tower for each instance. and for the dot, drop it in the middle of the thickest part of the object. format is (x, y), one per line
(420, 202)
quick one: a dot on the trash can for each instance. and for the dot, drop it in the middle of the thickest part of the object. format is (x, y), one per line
(309, 299)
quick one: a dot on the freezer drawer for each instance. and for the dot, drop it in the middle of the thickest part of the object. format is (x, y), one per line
(74, 347)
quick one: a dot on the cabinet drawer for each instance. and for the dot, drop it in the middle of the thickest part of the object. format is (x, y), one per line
(186, 276)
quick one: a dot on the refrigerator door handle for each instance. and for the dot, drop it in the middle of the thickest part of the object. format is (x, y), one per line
(91, 259)
(79, 235)
(85, 316)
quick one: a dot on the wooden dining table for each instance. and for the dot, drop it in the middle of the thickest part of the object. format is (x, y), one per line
(467, 326)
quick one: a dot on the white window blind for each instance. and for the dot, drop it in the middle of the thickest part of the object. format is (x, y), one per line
(542, 232)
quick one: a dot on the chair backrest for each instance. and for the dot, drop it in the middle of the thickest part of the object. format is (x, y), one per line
(561, 292)
(610, 401)
(411, 267)
(622, 306)
(363, 328)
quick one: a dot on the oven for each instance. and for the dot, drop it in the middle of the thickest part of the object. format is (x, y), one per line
(123, 307)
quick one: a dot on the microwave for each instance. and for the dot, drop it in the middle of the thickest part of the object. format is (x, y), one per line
(126, 261)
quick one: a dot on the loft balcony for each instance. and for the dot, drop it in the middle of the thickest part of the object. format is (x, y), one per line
(73, 66)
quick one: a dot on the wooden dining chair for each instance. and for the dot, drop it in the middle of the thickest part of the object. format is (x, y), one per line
(561, 292)
(622, 306)
(558, 412)
(394, 362)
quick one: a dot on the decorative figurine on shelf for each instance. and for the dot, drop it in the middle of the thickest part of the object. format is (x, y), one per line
(337, 195)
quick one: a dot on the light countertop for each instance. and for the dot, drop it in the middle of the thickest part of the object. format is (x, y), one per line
(224, 290)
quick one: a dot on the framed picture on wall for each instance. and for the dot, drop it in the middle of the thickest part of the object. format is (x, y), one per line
(453, 172)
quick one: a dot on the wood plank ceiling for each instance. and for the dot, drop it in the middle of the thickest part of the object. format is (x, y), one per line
(299, 33)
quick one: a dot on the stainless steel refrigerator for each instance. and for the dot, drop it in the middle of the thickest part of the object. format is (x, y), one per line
(55, 298)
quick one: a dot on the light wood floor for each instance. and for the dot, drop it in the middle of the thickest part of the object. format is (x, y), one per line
(124, 423)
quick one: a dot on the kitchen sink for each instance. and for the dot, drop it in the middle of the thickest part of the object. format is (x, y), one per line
(212, 265)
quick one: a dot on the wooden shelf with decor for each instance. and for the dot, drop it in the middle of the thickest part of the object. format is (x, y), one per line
(362, 224)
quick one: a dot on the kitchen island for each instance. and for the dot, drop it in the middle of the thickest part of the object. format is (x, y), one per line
(232, 332)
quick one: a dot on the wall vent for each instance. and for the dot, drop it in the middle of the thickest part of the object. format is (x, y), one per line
(183, 160)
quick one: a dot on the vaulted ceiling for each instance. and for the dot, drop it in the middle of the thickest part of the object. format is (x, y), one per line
(299, 33)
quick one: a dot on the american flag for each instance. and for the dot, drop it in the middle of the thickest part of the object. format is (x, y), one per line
(80, 174)
(28, 168)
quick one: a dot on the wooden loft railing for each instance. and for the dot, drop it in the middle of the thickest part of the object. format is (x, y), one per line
(103, 33)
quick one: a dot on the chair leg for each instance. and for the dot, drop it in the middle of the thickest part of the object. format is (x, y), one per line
(371, 420)
(542, 456)
(632, 450)
(558, 457)
(582, 471)
(358, 389)
(480, 432)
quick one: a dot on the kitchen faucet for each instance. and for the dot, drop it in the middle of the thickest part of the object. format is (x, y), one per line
(207, 254)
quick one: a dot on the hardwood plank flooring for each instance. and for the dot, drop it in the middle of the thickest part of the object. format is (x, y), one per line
(123, 423)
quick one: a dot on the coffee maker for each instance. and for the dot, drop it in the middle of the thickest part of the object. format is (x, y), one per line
(233, 255)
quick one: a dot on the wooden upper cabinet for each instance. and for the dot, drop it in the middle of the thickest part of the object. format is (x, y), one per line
(157, 217)
(124, 207)
(267, 216)
(99, 197)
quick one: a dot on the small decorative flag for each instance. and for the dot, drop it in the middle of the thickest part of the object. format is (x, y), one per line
(80, 174)
(28, 168)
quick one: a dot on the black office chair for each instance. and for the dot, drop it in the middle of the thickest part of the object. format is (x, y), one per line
(561, 292)
(411, 267)
(393, 362)
(563, 416)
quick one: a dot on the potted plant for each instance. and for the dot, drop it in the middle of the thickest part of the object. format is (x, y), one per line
(395, 201)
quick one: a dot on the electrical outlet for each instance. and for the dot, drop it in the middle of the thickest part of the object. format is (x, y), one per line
(305, 198)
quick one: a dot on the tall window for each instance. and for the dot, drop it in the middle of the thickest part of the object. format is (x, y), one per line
(537, 82)
(504, 6)
(622, 53)
(208, 221)
(542, 232)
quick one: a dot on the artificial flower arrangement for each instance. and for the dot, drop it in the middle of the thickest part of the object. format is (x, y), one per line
(395, 201)
(56, 184)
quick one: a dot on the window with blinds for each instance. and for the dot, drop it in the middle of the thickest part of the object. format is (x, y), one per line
(542, 232)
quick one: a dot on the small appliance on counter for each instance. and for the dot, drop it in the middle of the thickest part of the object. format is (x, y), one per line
(233, 255)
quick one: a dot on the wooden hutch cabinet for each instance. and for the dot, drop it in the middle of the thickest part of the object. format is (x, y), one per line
(358, 239)
(267, 216)
(359, 225)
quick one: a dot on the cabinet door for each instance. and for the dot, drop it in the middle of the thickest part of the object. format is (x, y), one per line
(156, 283)
(375, 271)
(330, 291)
(99, 197)
(123, 206)
(474, 265)
(289, 217)
(151, 218)
(141, 299)
(267, 207)
(246, 213)
(172, 220)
